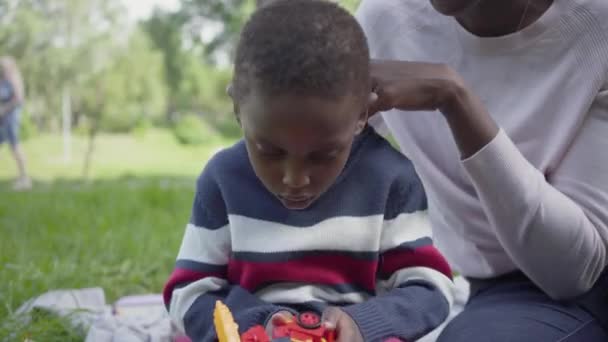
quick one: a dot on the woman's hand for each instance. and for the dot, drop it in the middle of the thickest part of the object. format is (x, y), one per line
(416, 86)
(413, 86)
(338, 320)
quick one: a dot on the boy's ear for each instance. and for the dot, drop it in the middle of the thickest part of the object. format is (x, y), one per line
(235, 106)
(229, 91)
(237, 114)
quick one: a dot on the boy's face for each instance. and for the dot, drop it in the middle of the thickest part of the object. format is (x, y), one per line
(298, 145)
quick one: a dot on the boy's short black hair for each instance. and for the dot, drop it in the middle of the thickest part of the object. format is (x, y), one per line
(307, 47)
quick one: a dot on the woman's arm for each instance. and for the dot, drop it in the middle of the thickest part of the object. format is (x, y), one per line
(17, 97)
(555, 229)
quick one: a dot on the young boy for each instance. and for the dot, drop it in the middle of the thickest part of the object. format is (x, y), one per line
(312, 211)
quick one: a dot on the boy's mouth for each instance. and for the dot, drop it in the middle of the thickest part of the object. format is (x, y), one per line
(296, 202)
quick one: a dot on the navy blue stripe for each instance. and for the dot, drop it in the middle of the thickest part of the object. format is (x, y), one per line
(199, 266)
(209, 208)
(417, 282)
(406, 194)
(288, 256)
(340, 288)
(411, 245)
(181, 285)
(377, 180)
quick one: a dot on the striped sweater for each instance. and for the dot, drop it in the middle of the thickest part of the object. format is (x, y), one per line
(363, 246)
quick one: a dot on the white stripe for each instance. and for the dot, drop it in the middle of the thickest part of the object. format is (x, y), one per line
(290, 293)
(405, 228)
(206, 246)
(182, 299)
(354, 234)
(443, 283)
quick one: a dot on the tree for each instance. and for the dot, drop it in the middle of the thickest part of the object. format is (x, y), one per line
(165, 32)
(195, 85)
(216, 24)
(59, 45)
(129, 91)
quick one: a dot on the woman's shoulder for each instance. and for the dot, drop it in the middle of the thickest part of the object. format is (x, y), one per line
(592, 12)
(598, 8)
(398, 27)
(408, 14)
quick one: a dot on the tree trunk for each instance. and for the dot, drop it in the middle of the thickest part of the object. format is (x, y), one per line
(95, 125)
(86, 170)
(66, 124)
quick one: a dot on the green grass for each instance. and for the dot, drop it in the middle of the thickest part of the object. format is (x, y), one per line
(155, 153)
(117, 232)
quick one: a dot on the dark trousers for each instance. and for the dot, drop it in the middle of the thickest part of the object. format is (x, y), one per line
(511, 308)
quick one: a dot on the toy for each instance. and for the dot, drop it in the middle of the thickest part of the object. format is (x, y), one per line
(306, 327)
(225, 327)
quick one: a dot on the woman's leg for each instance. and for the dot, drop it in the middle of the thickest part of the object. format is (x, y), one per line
(12, 131)
(516, 310)
(19, 157)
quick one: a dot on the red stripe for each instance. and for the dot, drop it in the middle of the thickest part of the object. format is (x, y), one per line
(324, 269)
(180, 276)
(426, 256)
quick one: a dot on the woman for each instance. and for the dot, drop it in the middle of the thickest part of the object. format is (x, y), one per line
(11, 101)
(515, 163)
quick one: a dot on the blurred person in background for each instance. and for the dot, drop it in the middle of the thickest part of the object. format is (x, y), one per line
(11, 102)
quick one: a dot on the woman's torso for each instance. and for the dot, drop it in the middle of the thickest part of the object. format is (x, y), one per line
(538, 84)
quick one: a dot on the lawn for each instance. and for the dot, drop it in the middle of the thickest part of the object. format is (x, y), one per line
(120, 230)
(155, 153)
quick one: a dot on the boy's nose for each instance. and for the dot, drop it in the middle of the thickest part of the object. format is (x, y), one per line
(296, 176)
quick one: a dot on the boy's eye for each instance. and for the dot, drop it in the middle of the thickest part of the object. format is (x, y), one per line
(268, 151)
(325, 156)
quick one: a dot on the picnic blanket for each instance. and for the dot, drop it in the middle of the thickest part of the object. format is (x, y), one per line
(131, 319)
(143, 318)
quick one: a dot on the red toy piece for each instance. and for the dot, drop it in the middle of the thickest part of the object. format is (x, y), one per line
(255, 334)
(306, 328)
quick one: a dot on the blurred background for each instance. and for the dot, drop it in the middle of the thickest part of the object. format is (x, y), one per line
(125, 102)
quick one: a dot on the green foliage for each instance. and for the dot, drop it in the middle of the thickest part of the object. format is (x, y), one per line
(59, 46)
(228, 16)
(194, 85)
(130, 90)
(191, 130)
(350, 5)
(165, 32)
(118, 75)
(27, 128)
(228, 127)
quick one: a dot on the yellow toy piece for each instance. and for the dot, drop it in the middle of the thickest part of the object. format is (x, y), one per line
(225, 327)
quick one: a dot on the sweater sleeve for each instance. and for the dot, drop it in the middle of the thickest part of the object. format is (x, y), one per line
(414, 286)
(199, 278)
(558, 219)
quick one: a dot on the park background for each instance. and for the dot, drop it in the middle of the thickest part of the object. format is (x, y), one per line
(125, 103)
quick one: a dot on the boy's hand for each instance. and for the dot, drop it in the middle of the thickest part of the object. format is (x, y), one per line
(279, 318)
(346, 329)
